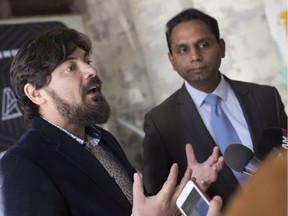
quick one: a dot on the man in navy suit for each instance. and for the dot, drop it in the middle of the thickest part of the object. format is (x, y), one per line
(54, 169)
(195, 52)
(65, 164)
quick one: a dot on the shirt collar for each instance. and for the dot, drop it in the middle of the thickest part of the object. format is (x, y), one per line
(95, 135)
(199, 96)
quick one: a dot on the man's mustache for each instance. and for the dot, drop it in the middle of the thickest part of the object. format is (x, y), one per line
(94, 82)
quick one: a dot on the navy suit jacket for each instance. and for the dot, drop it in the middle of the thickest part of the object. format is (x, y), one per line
(175, 122)
(49, 173)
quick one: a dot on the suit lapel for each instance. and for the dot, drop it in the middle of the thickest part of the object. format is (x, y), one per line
(85, 161)
(249, 107)
(196, 128)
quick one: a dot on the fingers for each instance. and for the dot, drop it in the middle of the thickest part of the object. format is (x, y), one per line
(173, 175)
(220, 163)
(190, 155)
(183, 182)
(214, 156)
(215, 206)
(169, 186)
(217, 167)
(138, 191)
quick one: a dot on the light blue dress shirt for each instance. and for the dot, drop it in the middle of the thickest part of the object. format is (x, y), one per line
(229, 104)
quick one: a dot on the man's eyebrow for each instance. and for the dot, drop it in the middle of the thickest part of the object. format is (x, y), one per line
(197, 41)
(180, 45)
(204, 39)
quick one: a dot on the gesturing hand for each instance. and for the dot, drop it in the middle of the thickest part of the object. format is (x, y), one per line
(207, 172)
(164, 203)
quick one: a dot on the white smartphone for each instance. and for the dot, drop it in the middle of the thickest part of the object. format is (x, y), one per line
(192, 202)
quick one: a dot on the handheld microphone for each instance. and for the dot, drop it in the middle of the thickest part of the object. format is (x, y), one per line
(241, 159)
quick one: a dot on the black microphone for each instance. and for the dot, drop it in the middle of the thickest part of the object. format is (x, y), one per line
(241, 159)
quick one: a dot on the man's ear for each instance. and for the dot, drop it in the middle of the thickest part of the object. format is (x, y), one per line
(222, 47)
(33, 94)
(171, 60)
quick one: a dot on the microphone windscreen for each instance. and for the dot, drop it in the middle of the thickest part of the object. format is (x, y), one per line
(237, 156)
(271, 137)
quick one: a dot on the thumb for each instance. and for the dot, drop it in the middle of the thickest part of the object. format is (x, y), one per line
(191, 159)
(168, 188)
(138, 191)
(215, 206)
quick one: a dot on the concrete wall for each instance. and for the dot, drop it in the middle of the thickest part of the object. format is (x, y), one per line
(130, 54)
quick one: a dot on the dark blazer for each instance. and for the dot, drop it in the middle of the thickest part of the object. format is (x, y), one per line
(175, 122)
(49, 173)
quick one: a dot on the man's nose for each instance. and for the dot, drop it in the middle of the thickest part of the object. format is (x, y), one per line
(195, 55)
(89, 71)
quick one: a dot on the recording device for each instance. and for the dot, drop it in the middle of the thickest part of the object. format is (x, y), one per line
(192, 201)
(241, 159)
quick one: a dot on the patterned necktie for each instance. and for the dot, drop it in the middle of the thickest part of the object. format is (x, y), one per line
(224, 131)
(113, 167)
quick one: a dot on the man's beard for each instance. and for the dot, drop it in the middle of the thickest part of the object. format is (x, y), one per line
(85, 114)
